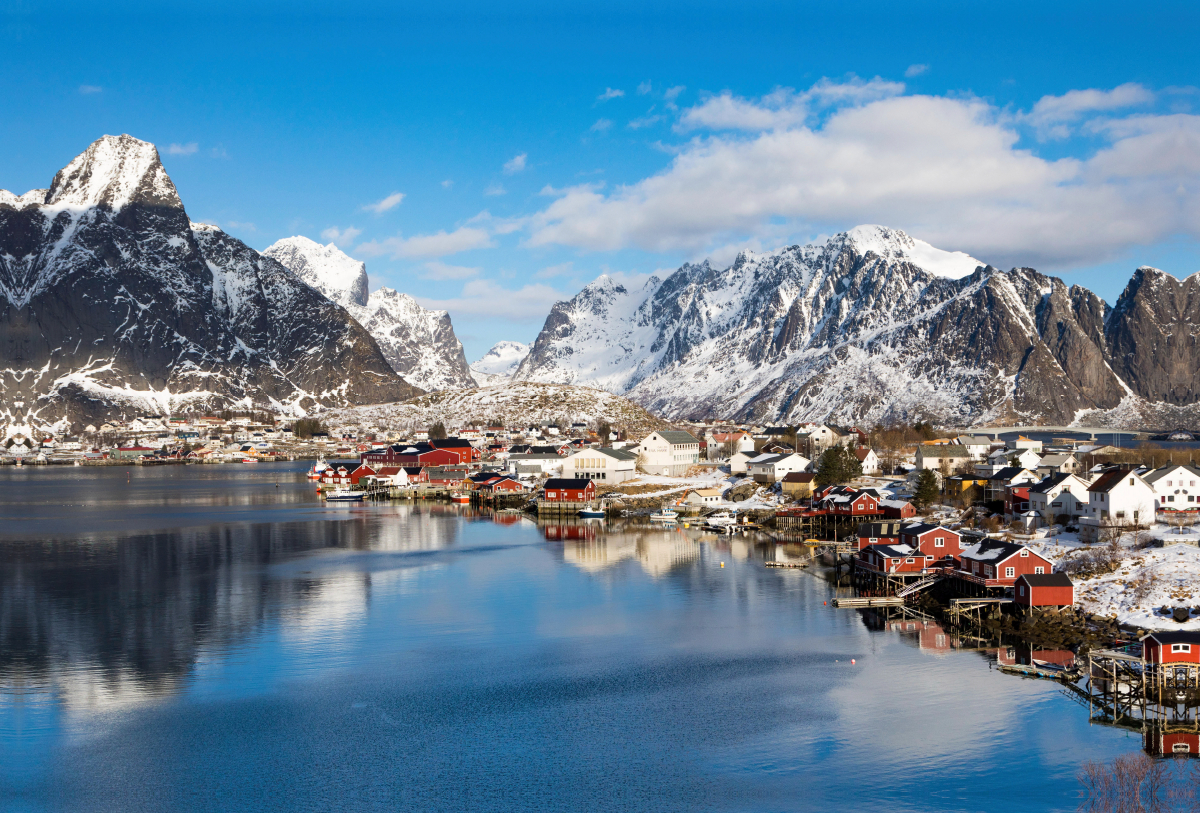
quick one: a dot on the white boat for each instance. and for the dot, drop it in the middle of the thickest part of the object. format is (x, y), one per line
(317, 469)
(664, 514)
(343, 495)
(721, 519)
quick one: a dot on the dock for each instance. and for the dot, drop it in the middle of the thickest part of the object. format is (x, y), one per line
(868, 601)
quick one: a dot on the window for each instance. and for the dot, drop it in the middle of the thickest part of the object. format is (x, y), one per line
(938, 542)
(1181, 647)
(1024, 554)
(1009, 572)
(1021, 590)
(908, 561)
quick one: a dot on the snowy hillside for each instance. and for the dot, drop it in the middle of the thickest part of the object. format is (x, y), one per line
(498, 364)
(419, 344)
(115, 302)
(870, 326)
(512, 404)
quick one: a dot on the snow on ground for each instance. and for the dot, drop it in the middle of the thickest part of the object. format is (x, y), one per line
(1166, 576)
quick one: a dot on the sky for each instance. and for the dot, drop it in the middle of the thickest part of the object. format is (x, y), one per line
(491, 159)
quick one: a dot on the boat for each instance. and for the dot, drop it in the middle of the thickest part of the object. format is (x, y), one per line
(343, 495)
(249, 459)
(317, 469)
(664, 514)
(591, 512)
(721, 520)
(459, 498)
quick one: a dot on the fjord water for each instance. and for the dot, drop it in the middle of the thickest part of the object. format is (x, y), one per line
(213, 638)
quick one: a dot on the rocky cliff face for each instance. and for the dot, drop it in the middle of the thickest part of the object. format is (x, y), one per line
(419, 344)
(875, 326)
(112, 301)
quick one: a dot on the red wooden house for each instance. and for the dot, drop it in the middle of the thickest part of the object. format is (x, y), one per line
(892, 559)
(995, 563)
(362, 471)
(1016, 499)
(932, 540)
(1171, 647)
(897, 509)
(1161, 739)
(463, 448)
(503, 485)
(562, 489)
(1044, 590)
(850, 502)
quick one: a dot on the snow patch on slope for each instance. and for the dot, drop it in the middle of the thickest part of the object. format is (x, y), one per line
(498, 364)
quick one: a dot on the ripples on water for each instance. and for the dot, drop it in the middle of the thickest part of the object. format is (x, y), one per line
(214, 638)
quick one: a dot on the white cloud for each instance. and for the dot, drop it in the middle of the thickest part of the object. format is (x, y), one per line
(643, 88)
(183, 149)
(515, 164)
(441, 244)
(783, 107)
(482, 297)
(610, 93)
(671, 94)
(234, 224)
(948, 170)
(447, 184)
(494, 189)
(87, 90)
(1052, 114)
(601, 126)
(340, 237)
(916, 70)
(390, 202)
(436, 269)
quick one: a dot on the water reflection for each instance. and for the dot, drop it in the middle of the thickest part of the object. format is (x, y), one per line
(103, 621)
(593, 547)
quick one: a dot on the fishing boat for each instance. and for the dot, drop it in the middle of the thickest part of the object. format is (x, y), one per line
(249, 459)
(664, 514)
(343, 495)
(591, 512)
(317, 469)
(459, 498)
(721, 520)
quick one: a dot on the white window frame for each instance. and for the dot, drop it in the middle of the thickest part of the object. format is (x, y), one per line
(1009, 572)
(1039, 570)
(1181, 647)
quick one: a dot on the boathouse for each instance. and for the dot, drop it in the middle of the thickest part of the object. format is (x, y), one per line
(995, 563)
(1044, 590)
(878, 533)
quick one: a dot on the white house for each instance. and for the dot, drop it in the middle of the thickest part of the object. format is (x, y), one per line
(1025, 459)
(669, 453)
(1176, 487)
(771, 468)
(977, 446)
(1023, 442)
(719, 444)
(739, 463)
(816, 438)
(1058, 494)
(535, 463)
(1059, 463)
(605, 463)
(1118, 498)
(703, 496)
(930, 455)
(868, 460)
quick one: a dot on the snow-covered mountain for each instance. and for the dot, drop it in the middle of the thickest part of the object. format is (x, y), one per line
(111, 300)
(872, 326)
(419, 344)
(498, 364)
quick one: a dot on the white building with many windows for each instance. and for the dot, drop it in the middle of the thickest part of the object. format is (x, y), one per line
(605, 464)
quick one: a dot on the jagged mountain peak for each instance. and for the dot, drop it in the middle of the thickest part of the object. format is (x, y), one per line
(498, 364)
(112, 173)
(419, 344)
(327, 268)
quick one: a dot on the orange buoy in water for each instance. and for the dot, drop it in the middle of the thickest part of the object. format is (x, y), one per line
(852, 661)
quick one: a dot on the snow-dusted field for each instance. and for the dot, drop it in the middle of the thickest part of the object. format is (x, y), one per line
(1146, 581)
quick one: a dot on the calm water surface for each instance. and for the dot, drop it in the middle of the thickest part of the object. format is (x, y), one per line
(212, 638)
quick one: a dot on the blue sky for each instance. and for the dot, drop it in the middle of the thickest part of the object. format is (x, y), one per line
(492, 158)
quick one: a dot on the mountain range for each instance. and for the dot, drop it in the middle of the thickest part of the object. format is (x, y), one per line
(874, 326)
(112, 300)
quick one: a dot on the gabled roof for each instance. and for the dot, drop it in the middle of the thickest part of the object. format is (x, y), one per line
(1056, 459)
(1008, 473)
(678, 438)
(1049, 483)
(798, 477)
(1154, 476)
(1110, 479)
(616, 454)
(565, 483)
(861, 453)
(867, 530)
(1179, 637)
(1046, 579)
(893, 551)
(924, 528)
(994, 550)
(946, 450)
(708, 492)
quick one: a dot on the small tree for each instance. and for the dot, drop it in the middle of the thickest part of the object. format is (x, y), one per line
(926, 491)
(837, 465)
(603, 431)
(437, 431)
